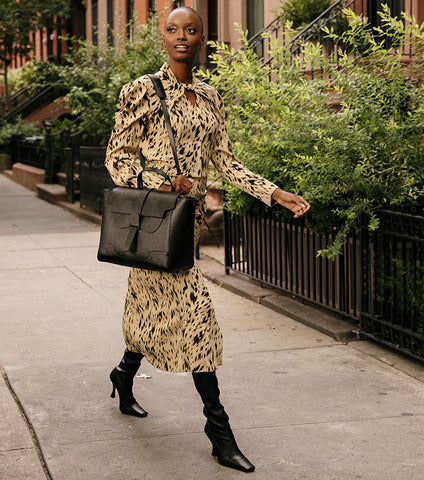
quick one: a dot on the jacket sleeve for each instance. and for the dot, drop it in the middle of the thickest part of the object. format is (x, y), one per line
(123, 151)
(232, 169)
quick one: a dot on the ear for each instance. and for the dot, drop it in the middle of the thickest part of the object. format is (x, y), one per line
(202, 41)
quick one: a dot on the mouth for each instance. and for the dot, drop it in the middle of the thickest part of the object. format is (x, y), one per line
(181, 48)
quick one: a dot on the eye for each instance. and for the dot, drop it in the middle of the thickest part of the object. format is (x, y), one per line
(191, 30)
(170, 29)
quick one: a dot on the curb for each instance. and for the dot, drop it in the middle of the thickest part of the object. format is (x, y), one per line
(80, 212)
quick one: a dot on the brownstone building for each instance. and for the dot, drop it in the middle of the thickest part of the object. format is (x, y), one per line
(95, 20)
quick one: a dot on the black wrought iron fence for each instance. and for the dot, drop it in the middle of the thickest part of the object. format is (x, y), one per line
(71, 154)
(284, 255)
(55, 156)
(378, 279)
(94, 177)
(28, 150)
(393, 296)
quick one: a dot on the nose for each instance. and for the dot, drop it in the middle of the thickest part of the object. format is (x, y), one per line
(181, 34)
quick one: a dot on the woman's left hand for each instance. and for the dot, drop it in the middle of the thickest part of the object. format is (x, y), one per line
(297, 204)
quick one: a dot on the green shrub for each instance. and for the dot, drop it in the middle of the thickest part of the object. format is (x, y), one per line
(349, 141)
(94, 75)
(26, 129)
(303, 12)
(21, 77)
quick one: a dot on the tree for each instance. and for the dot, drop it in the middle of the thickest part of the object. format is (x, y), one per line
(18, 18)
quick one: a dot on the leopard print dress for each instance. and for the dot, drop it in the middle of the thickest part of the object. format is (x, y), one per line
(169, 317)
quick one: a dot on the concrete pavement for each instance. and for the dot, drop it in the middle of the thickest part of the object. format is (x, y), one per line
(302, 404)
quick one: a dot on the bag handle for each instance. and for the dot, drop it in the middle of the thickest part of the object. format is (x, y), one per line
(161, 94)
(156, 170)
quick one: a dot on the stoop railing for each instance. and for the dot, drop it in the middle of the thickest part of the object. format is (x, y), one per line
(332, 17)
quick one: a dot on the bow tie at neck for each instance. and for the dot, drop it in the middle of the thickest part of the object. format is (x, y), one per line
(175, 90)
(187, 86)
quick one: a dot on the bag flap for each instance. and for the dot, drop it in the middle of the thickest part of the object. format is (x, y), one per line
(158, 203)
(127, 200)
(131, 201)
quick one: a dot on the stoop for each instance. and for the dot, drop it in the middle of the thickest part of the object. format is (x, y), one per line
(52, 192)
(27, 176)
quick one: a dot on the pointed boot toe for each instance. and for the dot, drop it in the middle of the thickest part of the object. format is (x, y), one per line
(237, 461)
(133, 409)
(123, 382)
(227, 452)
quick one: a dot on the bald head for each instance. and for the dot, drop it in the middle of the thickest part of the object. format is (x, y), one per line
(187, 9)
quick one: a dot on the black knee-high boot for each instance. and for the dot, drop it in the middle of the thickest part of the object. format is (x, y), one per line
(217, 427)
(122, 378)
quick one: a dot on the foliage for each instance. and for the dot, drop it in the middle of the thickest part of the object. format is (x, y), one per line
(18, 18)
(405, 291)
(349, 141)
(26, 129)
(303, 12)
(94, 75)
(20, 77)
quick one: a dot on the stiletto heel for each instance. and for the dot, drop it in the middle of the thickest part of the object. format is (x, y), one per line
(122, 380)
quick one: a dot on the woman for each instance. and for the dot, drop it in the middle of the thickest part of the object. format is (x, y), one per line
(169, 317)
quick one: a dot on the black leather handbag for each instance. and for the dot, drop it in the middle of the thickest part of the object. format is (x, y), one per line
(147, 228)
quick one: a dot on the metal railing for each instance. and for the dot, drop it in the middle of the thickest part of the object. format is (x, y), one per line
(332, 17)
(378, 280)
(71, 154)
(94, 177)
(282, 254)
(393, 282)
(9, 104)
(27, 150)
(23, 103)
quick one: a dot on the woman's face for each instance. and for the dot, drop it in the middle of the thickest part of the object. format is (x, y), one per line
(183, 35)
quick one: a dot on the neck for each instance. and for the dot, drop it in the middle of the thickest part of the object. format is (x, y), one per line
(183, 71)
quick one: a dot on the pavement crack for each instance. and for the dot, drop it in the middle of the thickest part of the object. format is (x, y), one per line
(326, 422)
(17, 449)
(29, 425)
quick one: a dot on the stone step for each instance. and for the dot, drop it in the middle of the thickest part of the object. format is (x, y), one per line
(28, 176)
(61, 178)
(52, 192)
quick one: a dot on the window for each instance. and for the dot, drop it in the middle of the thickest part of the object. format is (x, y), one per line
(255, 21)
(374, 6)
(110, 20)
(130, 16)
(212, 19)
(94, 20)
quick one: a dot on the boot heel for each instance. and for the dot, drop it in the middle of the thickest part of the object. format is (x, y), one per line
(214, 452)
(123, 382)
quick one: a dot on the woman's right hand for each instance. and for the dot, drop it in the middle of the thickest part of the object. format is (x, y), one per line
(181, 184)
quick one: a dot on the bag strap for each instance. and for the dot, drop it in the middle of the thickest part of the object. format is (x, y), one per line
(161, 94)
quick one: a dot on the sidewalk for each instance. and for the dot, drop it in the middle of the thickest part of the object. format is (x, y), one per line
(303, 405)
